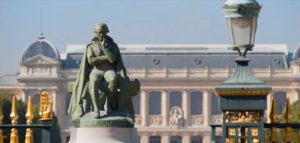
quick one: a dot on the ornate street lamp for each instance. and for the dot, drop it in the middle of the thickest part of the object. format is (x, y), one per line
(241, 17)
(242, 96)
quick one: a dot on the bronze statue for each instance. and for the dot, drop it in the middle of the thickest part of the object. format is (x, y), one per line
(102, 83)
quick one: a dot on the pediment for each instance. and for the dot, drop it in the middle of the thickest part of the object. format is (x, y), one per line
(40, 60)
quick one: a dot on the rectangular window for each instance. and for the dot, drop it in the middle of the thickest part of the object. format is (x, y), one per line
(196, 103)
(155, 139)
(175, 99)
(196, 139)
(155, 103)
(136, 101)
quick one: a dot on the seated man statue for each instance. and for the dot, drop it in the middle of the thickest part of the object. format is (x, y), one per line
(102, 79)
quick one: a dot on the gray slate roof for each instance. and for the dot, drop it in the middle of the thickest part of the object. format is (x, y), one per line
(189, 60)
(41, 47)
(186, 56)
(8, 80)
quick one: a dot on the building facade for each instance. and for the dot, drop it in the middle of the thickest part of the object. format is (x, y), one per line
(176, 101)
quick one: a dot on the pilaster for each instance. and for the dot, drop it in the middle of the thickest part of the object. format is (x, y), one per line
(186, 139)
(206, 106)
(206, 139)
(165, 103)
(144, 139)
(186, 104)
(144, 107)
(165, 139)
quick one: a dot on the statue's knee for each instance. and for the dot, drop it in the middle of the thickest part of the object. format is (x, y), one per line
(111, 77)
(94, 79)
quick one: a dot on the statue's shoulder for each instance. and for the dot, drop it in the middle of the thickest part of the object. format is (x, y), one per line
(92, 43)
(109, 38)
(89, 44)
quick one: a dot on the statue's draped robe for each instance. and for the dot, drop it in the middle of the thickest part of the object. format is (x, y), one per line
(81, 91)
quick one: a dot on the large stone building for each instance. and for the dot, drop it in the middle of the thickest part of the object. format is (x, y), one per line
(176, 101)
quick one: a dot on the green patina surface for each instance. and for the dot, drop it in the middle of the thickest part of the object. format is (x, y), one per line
(242, 79)
(241, 8)
(102, 85)
(242, 103)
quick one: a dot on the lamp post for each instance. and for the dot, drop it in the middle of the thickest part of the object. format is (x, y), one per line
(242, 96)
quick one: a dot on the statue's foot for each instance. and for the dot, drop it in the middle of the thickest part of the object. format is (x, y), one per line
(96, 115)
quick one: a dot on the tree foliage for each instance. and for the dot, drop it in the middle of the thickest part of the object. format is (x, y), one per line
(5, 102)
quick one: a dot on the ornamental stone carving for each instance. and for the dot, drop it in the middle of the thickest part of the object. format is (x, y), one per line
(138, 120)
(176, 119)
(197, 120)
(156, 120)
(217, 119)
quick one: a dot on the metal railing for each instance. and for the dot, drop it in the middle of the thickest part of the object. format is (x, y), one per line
(273, 126)
(46, 118)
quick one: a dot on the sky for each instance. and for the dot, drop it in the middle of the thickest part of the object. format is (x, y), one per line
(66, 22)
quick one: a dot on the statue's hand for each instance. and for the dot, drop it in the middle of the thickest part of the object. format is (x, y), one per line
(104, 43)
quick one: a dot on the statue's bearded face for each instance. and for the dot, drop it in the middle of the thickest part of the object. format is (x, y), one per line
(101, 35)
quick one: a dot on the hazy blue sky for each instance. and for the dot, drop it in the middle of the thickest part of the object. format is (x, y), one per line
(134, 22)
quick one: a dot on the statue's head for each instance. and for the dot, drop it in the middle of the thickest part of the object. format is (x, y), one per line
(44, 97)
(101, 30)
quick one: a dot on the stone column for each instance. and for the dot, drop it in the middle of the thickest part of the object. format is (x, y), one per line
(186, 139)
(165, 103)
(144, 107)
(297, 97)
(63, 136)
(62, 105)
(206, 139)
(165, 139)
(24, 95)
(57, 109)
(144, 139)
(206, 106)
(186, 104)
(55, 100)
(269, 102)
(293, 94)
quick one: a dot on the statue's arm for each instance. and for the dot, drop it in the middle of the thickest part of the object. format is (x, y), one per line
(111, 52)
(95, 60)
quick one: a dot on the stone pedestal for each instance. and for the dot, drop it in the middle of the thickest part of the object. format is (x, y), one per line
(104, 135)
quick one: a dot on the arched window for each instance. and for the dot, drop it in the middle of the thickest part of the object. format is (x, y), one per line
(215, 109)
(175, 99)
(176, 139)
(35, 99)
(155, 103)
(155, 139)
(196, 103)
(136, 101)
(196, 139)
(280, 99)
